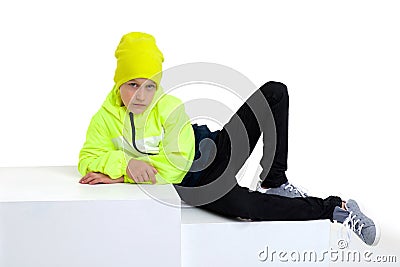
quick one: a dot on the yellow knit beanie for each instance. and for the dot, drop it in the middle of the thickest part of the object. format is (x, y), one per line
(138, 57)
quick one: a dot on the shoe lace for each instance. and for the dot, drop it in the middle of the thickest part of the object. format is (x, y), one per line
(258, 186)
(353, 225)
(296, 189)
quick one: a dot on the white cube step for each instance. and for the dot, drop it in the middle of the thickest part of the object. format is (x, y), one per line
(48, 219)
(212, 240)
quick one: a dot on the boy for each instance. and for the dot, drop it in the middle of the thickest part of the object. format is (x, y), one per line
(159, 117)
(141, 135)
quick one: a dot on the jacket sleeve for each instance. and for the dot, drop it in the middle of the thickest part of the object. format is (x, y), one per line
(99, 154)
(177, 147)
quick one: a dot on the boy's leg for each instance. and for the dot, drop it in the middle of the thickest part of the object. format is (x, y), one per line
(239, 202)
(278, 100)
(277, 97)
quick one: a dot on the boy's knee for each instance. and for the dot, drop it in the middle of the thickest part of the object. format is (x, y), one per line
(274, 91)
(274, 87)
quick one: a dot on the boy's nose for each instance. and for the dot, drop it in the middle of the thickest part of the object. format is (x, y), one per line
(140, 94)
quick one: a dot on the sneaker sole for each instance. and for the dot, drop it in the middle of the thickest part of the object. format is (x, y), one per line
(377, 234)
(377, 225)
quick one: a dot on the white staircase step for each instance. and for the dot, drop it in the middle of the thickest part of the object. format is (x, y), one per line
(48, 219)
(212, 240)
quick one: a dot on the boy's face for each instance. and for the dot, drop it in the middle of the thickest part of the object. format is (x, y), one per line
(137, 94)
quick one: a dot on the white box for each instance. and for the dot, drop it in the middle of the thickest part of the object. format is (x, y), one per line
(48, 219)
(212, 240)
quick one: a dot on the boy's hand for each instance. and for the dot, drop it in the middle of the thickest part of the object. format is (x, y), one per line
(99, 178)
(141, 171)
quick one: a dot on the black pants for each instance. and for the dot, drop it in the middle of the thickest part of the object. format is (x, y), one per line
(239, 202)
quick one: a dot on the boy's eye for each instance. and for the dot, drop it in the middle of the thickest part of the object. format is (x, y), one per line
(132, 84)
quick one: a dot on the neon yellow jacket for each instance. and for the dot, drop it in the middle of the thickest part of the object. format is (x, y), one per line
(163, 128)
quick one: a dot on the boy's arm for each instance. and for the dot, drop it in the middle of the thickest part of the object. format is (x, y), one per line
(99, 178)
(98, 153)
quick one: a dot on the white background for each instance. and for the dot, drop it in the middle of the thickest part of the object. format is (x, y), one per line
(340, 61)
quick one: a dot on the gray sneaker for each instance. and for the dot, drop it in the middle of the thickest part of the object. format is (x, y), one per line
(285, 190)
(364, 227)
